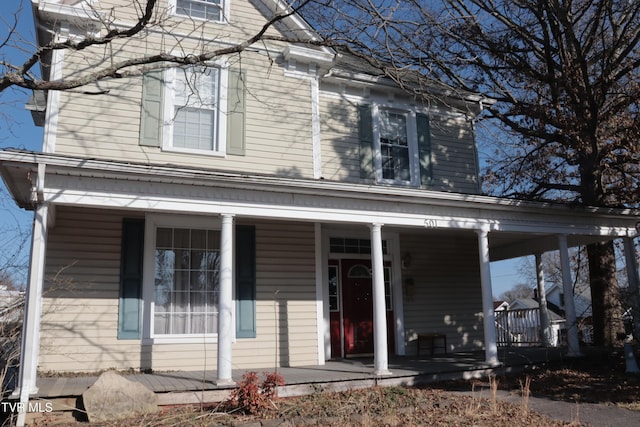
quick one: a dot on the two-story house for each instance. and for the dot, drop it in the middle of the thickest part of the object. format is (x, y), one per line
(285, 205)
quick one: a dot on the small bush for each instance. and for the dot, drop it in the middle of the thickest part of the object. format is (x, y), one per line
(253, 397)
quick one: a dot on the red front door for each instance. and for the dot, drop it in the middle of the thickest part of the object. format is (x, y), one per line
(357, 307)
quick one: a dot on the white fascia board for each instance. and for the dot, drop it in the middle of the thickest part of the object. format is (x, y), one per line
(370, 80)
(83, 167)
(300, 213)
(80, 15)
(73, 180)
(290, 205)
(294, 24)
(307, 55)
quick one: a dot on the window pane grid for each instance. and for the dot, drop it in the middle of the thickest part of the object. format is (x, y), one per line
(387, 289)
(195, 108)
(334, 296)
(394, 146)
(341, 245)
(203, 9)
(186, 284)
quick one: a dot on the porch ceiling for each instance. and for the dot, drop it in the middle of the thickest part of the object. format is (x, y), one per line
(513, 245)
(516, 228)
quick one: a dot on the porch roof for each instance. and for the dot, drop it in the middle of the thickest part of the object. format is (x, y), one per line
(516, 227)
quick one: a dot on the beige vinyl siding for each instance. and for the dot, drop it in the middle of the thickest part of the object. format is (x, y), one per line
(278, 107)
(80, 303)
(244, 19)
(278, 126)
(285, 307)
(445, 296)
(340, 144)
(453, 152)
(80, 299)
(286, 299)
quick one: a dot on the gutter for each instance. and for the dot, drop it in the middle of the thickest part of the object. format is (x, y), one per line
(83, 167)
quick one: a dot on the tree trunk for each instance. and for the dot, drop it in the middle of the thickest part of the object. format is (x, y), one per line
(605, 300)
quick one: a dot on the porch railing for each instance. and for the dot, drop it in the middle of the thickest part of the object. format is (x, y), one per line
(519, 328)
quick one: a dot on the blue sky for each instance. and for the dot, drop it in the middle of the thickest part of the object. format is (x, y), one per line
(18, 131)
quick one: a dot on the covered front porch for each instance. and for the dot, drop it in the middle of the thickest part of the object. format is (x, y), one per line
(195, 387)
(423, 252)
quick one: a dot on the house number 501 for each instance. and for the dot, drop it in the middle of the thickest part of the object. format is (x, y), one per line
(430, 223)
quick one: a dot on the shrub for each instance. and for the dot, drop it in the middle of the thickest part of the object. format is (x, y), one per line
(251, 396)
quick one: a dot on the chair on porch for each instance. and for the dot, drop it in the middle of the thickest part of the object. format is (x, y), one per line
(432, 341)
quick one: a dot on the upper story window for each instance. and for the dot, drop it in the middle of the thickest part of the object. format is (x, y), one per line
(185, 110)
(194, 121)
(394, 146)
(210, 10)
(195, 109)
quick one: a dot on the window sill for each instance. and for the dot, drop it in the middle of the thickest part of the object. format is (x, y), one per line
(191, 339)
(194, 152)
(393, 183)
(197, 18)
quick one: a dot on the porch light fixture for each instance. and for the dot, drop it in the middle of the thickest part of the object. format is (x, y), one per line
(406, 261)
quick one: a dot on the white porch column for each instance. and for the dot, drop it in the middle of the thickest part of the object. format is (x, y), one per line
(569, 307)
(489, 321)
(546, 334)
(634, 282)
(33, 310)
(380, 346)
(225, 302)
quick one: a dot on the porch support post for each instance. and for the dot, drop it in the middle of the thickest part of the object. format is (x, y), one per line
(634, 282)
(569, 307)
(546, 334)
(225, 302)
(489, 321)
(33, 310)
(380, 345)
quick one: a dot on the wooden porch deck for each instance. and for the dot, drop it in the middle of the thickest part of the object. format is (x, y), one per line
(182, 387)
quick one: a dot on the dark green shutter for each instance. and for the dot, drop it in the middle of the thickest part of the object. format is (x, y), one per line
(129, 309)
(236, 113)
(245, 281)
(365, 131)
(424, 149)
(151, 114)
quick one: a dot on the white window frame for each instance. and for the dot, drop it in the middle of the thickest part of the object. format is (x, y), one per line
(152, 223)
(220, 131)
(224, 18)
(412, 142)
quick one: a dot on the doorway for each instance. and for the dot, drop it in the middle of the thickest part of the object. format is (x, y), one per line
(352, 320)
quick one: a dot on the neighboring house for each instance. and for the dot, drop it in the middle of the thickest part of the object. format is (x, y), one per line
(500, 305)
(527, 321)
(275, 219)
(582, 304)
(518, 323)
(10, 305)
(11, 316)
(581, 300)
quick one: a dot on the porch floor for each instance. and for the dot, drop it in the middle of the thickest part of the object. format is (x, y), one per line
(178, 387)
